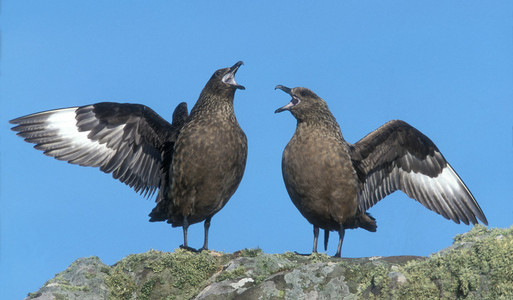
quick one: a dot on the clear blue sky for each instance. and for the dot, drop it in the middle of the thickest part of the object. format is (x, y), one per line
(445, 67)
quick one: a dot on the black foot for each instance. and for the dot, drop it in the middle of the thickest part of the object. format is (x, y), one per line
(189, 249)
(303, 254)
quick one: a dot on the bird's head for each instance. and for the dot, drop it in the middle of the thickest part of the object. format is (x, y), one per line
(304, 104)
(223, 80)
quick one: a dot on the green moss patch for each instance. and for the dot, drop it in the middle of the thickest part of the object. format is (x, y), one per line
(154, 274)
(479, 265)
(482, 270)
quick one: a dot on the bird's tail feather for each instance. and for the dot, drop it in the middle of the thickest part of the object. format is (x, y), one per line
(367, 222)
(161, 211)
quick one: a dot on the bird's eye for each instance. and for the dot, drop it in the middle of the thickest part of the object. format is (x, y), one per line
(303, 93)
(218, 73)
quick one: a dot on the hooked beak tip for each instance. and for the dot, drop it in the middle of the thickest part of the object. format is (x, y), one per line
(283, 88)
(236, 65)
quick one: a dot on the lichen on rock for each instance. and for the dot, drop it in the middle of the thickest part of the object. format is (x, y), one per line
(478, 265)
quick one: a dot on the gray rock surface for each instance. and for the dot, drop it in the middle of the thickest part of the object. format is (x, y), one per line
(477, 266)
(84, 279)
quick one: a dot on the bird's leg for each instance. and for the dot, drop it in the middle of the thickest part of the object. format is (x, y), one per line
(341, 232)
(207, 226)
(316, 237)
(185, 226)
(326, 238)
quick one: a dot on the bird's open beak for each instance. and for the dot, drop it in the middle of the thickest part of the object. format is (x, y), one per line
(229, 78)
(292, 102)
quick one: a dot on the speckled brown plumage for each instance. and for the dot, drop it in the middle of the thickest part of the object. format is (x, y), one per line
(195, 163)
(208, 161)
(332, 182)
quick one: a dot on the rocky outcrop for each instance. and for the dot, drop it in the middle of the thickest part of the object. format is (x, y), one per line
(478, 265)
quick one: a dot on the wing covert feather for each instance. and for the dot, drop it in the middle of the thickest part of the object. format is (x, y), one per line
(397, 156)
(126, 140)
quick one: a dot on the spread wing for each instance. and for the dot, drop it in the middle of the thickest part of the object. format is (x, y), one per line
(126, 140)
(397, 156)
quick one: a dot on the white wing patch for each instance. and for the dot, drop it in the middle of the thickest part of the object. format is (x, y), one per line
(436, 193)
(397, 156)
(59, 136)
(117, 138)
(445, 193)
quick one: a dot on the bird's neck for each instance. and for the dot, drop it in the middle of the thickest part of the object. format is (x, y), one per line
(209, 104)
(322, 119)
(323, 125)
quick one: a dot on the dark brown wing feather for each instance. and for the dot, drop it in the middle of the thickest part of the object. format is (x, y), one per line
(397, 156)
(127, 140)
